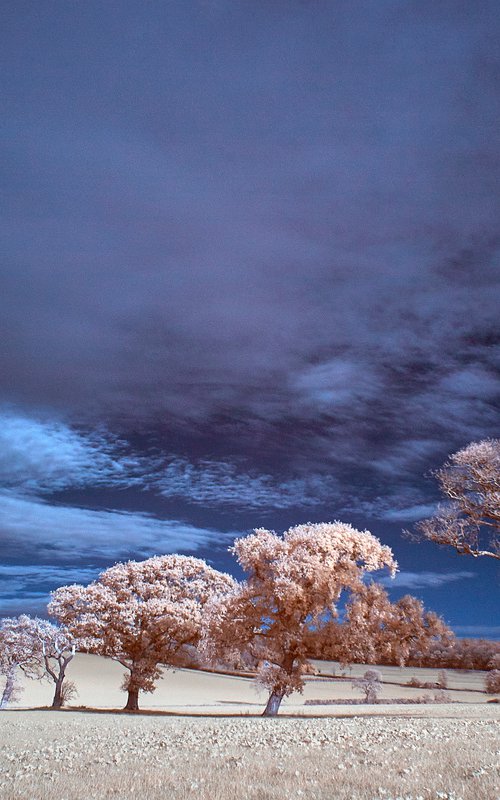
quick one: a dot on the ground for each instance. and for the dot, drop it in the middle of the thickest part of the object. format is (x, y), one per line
(205, 742)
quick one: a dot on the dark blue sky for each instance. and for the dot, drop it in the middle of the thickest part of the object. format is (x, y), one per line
(250, 277)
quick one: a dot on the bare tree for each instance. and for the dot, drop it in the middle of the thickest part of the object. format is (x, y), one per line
(141, 614)
(292, 590)
(55, 648)
(38, 648)
(470, 520)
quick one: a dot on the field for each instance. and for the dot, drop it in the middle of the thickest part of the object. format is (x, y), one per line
(200, 736)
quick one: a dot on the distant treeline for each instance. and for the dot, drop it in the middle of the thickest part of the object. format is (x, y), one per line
(482, 654)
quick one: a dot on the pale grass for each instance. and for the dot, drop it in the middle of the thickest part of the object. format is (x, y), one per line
(331, 752)
(98, 682)
(71, 755)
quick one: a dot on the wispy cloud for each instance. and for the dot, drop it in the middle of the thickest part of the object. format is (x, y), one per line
(26, 588)
(43, 455)
(337, 383)
(46, 455)
(220, 483)
(425, 580)
(404, 504)
(488, 631)
(67, 534)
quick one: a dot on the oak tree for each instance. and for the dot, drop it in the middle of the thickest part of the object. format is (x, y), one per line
(369, 684)
(141, 613)
(376, 631)
(292, 589)
(470, 520)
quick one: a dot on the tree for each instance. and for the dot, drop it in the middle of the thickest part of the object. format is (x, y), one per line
(141, 614)
(462, 654)
(470, 521)
(492, 681)
(376, 631)
(293, 586)
(40, 649)
(17, 652)
(55, 648)
(369, 684)
(494, 662)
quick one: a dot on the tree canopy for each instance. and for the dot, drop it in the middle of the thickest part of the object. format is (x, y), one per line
(141, 613)
(293, 585)
(470, 520)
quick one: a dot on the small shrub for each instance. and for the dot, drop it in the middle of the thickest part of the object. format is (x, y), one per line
(68, 691)
(416, 684)
(492, 681)
(437, 697)
(442, 679)
(441, 697)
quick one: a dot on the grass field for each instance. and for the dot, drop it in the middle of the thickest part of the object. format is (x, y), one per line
(200, 736)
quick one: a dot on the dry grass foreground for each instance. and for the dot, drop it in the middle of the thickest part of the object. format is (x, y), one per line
(382, 752)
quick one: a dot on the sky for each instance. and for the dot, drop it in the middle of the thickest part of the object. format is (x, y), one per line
(250, 278)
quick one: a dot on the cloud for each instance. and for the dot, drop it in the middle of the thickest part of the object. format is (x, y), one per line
(410, 514)
(48, 455)
(471, 382)
(399, 504)
(219, 483)
(43, 456)
(425, 580)
(339, 382)
(66, 535)
(488, 631)
(291, 266)
(25, 588)
(311, 239)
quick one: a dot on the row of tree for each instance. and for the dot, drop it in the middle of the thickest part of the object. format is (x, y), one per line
(176, 610)
(459, 654)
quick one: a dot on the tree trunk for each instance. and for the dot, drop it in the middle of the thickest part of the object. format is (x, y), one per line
(273, 704)
(58, 677)
(57, 702)
(132, 700)
(9, 687)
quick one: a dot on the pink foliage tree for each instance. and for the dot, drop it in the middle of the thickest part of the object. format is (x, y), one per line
(376, 631)
(293, 586)
(141, 614)
(470, 481)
